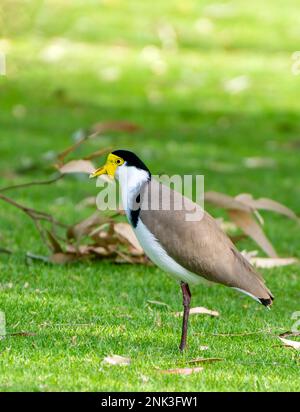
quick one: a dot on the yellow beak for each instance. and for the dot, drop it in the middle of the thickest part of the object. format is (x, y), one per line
(109, 168)
(98, 172)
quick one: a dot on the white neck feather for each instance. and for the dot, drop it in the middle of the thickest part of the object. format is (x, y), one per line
(131, 180)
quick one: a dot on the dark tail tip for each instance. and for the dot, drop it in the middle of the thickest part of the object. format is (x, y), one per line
(267, 302)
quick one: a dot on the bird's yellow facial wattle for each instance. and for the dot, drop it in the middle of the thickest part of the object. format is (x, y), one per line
(110, 166)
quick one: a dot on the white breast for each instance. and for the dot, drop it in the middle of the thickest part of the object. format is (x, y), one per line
(159, 256)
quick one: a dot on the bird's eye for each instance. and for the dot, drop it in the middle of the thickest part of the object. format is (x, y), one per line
(118, 161)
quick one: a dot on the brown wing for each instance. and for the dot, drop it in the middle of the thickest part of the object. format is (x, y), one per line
(200, 246)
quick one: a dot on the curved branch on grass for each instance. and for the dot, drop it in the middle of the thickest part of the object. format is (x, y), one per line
(35, 183)
(37, 216)
(34, 214)
(4, 250)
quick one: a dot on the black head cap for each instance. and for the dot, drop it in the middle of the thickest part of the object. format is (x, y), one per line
(131, 159)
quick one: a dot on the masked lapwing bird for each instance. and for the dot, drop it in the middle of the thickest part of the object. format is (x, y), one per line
(188, 249)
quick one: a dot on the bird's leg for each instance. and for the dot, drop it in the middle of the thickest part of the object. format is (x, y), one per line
(186, 294)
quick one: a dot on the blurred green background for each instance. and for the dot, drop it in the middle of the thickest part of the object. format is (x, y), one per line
(212, 86)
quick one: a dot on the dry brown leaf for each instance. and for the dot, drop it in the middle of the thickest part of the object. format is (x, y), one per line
(140, 260)
(123, 257)
(116, 360)
(100, 250)
(290, 343)
(258, 162)
(262, 262)
(225, 201)
(87, 250)
(158, 303)
(104, 231)
(289, 333)
(266, 204)
(83, 250)
(117, 125)
(22, 333)
(54, 242)
(249, 225)
(77, 166)
(85, 227)
(62, 258)
(268, 263)
(103, 240)
(200, 311)
(182, 371)
(204, 311)
(241, 208)
(127, 233)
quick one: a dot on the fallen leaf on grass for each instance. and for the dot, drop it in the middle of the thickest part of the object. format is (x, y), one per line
(266, 204)
(248, 224)
(225, 201)
(158, 303)
(243, 209)
(258, 162)
(22, 333)
(86, 226)
(116, 125)
(205, 360)
(99, 250)
(268, 263)
(200, 311)
(117, 360)
(182, 371)
(289, 333)
(290, 343)
(241, 213)
(203, 311)
(126, 232)
(55, 245)
(62, 258)
(110, 240)
(263, 262)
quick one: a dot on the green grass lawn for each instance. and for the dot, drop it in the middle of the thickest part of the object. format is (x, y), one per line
(170, 68)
